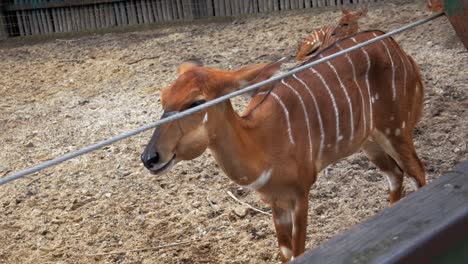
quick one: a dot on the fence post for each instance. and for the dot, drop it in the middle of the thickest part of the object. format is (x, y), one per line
(3, 25)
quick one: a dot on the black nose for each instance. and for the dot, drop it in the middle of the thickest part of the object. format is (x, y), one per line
(150, 159)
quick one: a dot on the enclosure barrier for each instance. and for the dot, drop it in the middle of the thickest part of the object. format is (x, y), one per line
(429, 226)
(38, 17)
(203, 106)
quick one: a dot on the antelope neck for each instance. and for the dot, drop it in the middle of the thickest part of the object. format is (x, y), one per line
(235, 146)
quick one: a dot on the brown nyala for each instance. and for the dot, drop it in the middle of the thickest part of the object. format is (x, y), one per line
(369, 99)
(323, 37)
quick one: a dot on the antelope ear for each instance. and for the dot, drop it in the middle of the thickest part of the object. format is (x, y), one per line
(265, 74)
(344, 10)
(363, 12)
(189, 64)
(256, 73)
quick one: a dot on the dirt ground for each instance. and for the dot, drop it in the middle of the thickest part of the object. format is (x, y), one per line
(63, 94)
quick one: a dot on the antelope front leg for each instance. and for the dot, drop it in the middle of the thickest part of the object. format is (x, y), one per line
(282, 219)
(299, 230)
(291, 227)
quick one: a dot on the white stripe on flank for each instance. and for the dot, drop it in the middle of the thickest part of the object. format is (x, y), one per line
(371, 110)
(335, 107)
(403, 63)
(316, 36)
(393, 68)
(343, 87)
(205, 119)
(306, 115)
(358, 86)
(260, 181)
(323, 32)
(286, 113)
(319, 117)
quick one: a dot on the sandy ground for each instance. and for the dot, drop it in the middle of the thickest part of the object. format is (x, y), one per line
(63, 94)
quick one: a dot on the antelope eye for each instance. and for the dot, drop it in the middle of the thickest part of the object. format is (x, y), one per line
(197, 103)
(345, 24)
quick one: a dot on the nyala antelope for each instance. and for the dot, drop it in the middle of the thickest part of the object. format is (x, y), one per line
(369, 99)
(325, 36)
(435, 5)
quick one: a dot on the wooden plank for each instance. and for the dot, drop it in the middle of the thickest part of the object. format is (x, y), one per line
(172, 5)
(86, 17)
(48, 14)
(307, 4)
(241, 7)
(34, 5)
(19, 18)
(144, 11)
(209, 8)
(118, 17)
(222, 8)
(168, 11)
(420, 227)
(97, 16)
(216, 7)
(276, 6)
(72, 18)
(123, 13)
(26, 22)
(111, 13)
(149, 7)
(28, 26)
(3, 28)
(55, 21)
(64, 20)
(43, 21)
(248, 7)
(227, 5)
(158, 8)
(180, 9)
(301, 4)
(37, 21)
(234, 7)
(139, 13)
(131, 13)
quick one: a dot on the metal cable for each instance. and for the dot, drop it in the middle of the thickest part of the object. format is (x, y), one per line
(218, 100)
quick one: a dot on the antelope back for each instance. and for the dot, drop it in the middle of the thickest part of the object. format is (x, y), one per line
(335, 106)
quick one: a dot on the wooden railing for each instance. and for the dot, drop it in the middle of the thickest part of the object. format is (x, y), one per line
(428, 226)
(37, 17)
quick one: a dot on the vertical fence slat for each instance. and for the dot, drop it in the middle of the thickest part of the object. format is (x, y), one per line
(118, 18)
(209, 8)
(66, 17)
(173, 9)
(227, 5)
(55, 21)
(151, 16)
(144, 12)
(132, 13)
(159, 10)
(19, 17)
(222, 10)
(97, 16)
(155, 11)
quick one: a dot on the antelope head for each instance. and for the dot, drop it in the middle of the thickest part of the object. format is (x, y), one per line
(435, 5)
(189, 137)
(309, 46)
(348, 24)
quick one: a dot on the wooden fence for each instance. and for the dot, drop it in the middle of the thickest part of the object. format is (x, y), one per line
(35, 17)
